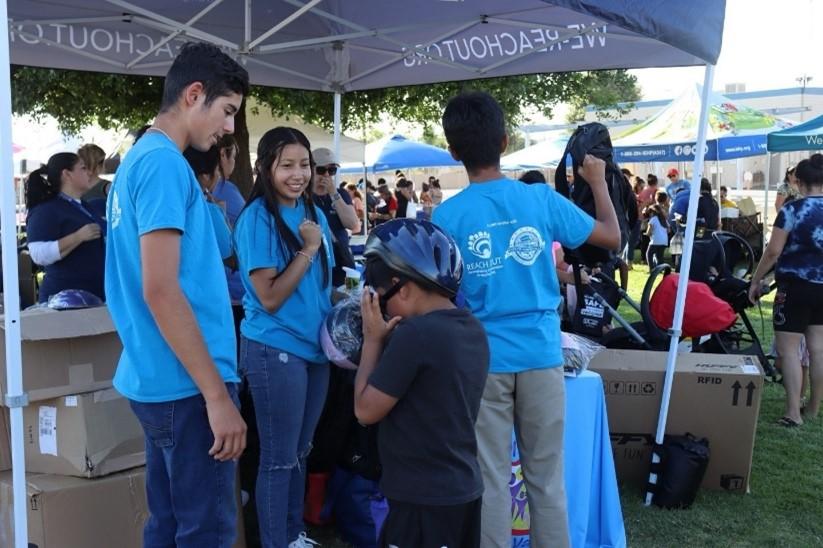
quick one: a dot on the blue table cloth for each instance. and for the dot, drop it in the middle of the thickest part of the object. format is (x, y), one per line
(595, 516)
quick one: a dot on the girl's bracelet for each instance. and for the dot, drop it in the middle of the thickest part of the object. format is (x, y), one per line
(306, 255)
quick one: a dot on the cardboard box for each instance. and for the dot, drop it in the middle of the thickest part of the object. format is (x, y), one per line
(715, 396)
(65, 352)
(5, 439)
(86, 435)
(66, 512)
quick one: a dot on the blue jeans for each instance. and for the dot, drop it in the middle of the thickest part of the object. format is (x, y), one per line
(288, 394)
(190, 495)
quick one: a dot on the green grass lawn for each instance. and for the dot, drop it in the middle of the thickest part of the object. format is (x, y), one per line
(785, 506)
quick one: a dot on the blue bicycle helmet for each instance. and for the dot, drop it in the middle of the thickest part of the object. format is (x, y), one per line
(69, 299)
(420, 250)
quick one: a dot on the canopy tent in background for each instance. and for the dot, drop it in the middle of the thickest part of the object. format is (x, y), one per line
(397, 152)
(339, 46)
(735, 131)
(537, 156)
(806, 136)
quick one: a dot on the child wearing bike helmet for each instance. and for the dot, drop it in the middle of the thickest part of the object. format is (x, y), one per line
(422, 374)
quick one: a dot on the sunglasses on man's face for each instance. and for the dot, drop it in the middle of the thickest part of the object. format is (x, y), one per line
(322, 170)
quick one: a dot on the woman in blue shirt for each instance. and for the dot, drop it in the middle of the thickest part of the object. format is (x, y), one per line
(282, 245)
(65, 234)
(796, 246)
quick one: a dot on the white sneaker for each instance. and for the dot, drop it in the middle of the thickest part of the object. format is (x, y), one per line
(303, 542)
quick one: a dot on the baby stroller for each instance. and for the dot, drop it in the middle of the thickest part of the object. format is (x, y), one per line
(721, 260)
(725, 262)
(596, 308)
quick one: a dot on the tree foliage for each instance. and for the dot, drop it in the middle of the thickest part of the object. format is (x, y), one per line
(424, 103)
(78, 99)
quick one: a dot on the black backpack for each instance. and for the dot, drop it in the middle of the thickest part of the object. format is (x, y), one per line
(594, 139)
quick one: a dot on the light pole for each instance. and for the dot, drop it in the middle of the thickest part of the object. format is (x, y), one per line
(803, 80)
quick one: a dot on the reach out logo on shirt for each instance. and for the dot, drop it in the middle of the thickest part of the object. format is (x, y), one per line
(525, 245)
(116, 212)
(480, 245)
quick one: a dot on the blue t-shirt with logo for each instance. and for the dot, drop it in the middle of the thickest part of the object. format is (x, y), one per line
(802, 255)
(295, 326)
(505, 230)
(155, 189)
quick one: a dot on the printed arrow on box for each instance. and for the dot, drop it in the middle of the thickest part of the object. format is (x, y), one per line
(749, 393)
(736, 392)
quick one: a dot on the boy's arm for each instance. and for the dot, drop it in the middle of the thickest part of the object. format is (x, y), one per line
(160, 260)
(371, 404)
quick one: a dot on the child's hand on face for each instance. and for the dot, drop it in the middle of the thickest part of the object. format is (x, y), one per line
(375, 328)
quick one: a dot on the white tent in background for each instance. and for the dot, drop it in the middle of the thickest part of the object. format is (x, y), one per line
(339, 46)
(537, 156)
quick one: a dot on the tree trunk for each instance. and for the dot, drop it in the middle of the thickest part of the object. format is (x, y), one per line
(242, 175)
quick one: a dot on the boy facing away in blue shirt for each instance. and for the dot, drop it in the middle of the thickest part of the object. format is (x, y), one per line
(505, 230)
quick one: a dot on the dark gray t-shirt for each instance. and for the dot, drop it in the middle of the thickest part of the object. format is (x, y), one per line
(436, 364)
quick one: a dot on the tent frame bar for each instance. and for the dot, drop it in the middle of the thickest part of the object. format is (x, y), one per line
(685, 266)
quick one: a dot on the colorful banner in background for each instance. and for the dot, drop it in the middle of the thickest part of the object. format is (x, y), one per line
(520, 505)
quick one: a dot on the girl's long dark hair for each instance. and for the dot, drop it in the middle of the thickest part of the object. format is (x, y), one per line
(268, 152)
(44, 183)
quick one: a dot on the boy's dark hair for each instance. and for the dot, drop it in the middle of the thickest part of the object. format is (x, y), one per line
(203, 163)
(532, 176)
(475, 129)
(205, 63)
(724, 188)
(381, 181)
(651, 180)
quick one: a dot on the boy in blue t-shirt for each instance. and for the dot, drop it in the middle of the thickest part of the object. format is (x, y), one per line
(169, 301)
(505, 231)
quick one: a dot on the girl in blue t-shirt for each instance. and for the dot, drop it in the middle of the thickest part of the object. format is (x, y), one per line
(282, 245)
(64, 233)
(796, 246)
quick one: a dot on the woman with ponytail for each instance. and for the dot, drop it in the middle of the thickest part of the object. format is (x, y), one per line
(796, 247)
(65, 234)
(285, 260)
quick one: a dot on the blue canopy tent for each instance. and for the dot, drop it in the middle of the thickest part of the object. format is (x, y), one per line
(338, 46)
(806, 136)
(735, 131)
(397, 152)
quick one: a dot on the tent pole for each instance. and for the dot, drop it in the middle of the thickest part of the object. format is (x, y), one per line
(686, 262)
(767, 179)
(337, 98)
(16, 399)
